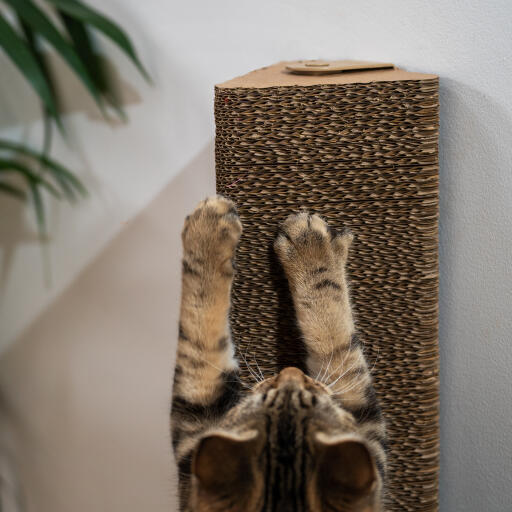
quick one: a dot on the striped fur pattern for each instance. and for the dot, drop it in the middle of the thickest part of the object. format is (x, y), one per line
(301, 442)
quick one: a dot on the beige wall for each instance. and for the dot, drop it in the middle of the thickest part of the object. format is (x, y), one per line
(86, 390)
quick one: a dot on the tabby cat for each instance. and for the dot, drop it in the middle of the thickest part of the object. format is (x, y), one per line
(297, 442)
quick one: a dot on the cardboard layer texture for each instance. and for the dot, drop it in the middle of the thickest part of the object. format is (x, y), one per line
(360, 149)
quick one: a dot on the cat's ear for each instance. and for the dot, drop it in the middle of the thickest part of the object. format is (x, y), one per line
(222, 461)
(345, 467)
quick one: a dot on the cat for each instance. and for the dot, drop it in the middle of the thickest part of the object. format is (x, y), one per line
(301, 442)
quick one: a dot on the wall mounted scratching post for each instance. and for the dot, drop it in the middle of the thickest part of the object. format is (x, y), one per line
(361, 149)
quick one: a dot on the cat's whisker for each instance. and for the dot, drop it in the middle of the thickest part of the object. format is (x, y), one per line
(258, 378)
(348, 352)
(359, 381)
(350, 368)
(341, 364)
(375, 362)
(354, 385)
(340, 394)
(258, 366)
(329, 363)
(251, 371)
(205, 360)
(344, 374)
(239, 381)
(319, 372)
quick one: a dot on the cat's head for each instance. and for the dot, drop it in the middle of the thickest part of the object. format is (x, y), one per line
(287, 446)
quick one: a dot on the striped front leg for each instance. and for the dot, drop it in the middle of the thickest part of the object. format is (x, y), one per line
(206, 380)
(314, 261)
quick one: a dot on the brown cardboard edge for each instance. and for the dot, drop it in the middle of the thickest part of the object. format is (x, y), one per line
(277, 76)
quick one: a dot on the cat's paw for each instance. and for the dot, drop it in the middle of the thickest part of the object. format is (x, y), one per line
(306, 243)
(210, 235)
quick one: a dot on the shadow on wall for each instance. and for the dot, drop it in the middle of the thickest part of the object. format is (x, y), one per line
(13, 232)
(19, 104)
(475, 276)
(87, 387)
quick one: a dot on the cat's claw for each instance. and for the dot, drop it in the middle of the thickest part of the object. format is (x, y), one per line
(211, 232)
(305, 240)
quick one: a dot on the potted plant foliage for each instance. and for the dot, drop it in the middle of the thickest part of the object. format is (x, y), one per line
(68, 26)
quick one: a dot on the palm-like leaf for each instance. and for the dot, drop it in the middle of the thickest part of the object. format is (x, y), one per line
(70, 185)
(19, 52)
(38, 206)
(81, 12)
(8, 165)
(12, 190)
(75, 46)
(84, 46)
(30, 37)
(33, 17)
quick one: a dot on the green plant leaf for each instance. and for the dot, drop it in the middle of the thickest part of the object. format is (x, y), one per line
(38, 55)
(20, 54)
(38, 21)
(54, 167)
(89, 16)
(70, 184)
(38, 207)
(7, 165)
(81, 38)
(12, 190)
(95, 62)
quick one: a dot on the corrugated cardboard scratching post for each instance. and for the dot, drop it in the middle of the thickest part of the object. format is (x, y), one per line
(360, 149)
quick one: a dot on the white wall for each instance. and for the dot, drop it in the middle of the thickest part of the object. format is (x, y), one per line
(189, 46)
